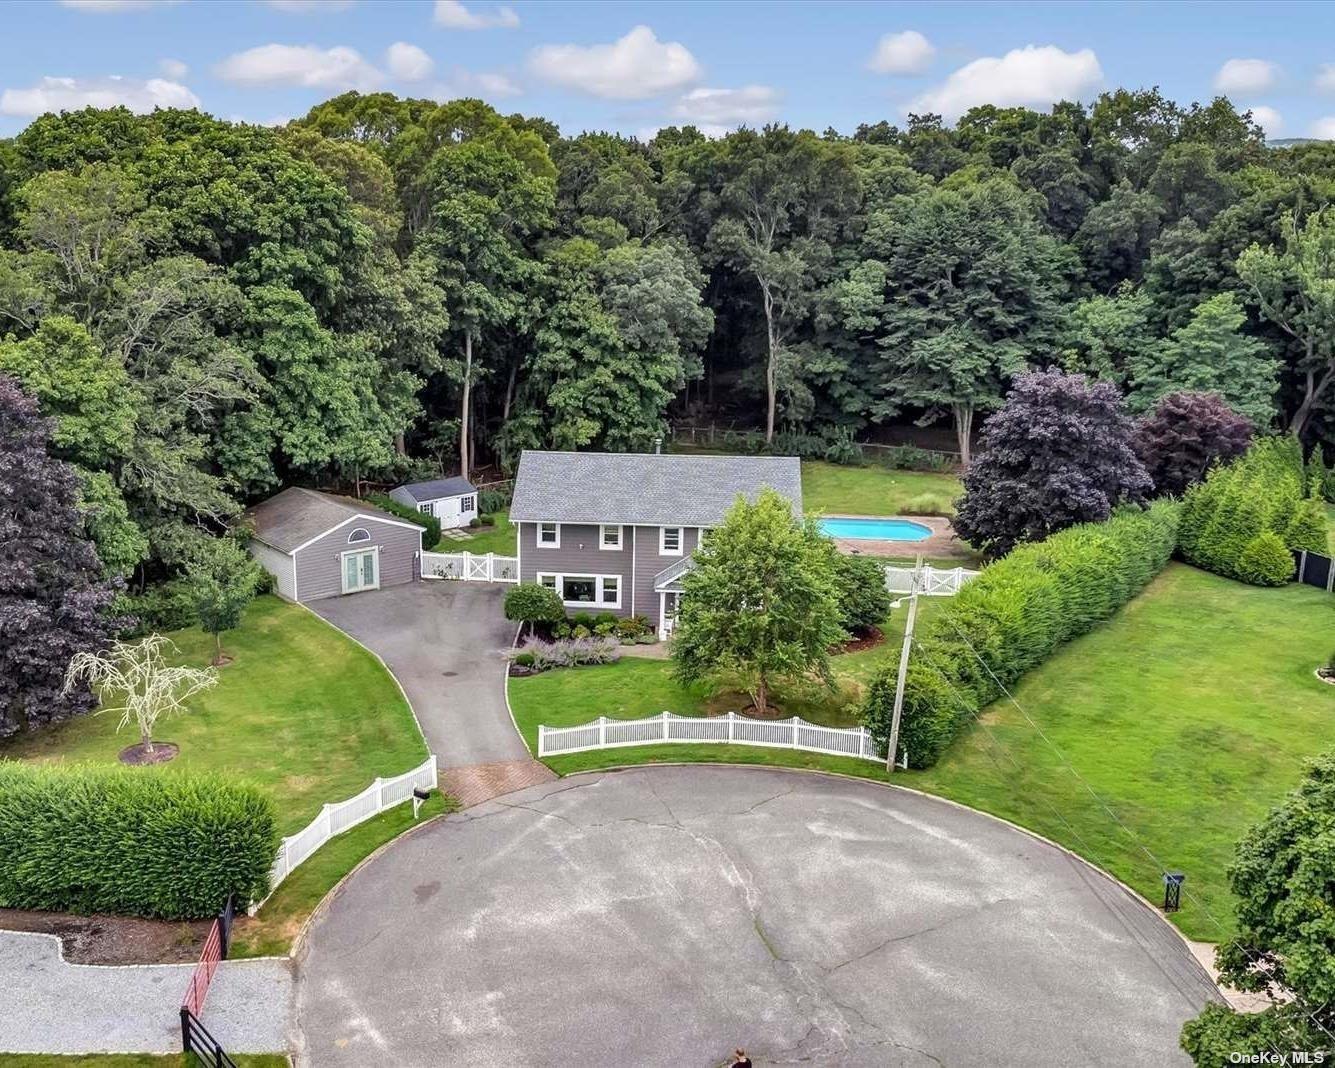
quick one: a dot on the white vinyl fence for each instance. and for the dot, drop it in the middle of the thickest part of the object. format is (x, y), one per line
(342, 816)
(933, 581)
(731, 729)
(470, 567)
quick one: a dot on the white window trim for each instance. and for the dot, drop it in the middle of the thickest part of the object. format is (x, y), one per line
(354, 540)
(537, 537)
(602, 537)
(426, 508)
(470, 497)
(663, 550)
(343, 569)
(597, 604)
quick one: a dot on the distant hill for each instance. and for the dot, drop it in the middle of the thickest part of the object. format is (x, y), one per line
(1289, 142)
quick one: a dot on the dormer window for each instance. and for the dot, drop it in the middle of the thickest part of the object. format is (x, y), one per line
(359, 534)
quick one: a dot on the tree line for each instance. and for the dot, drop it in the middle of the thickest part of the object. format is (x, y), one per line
(210, 310)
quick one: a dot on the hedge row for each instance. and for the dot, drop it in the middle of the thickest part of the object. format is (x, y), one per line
(1246, 517)
(164, 844)
(1014, 615)
(432, 525)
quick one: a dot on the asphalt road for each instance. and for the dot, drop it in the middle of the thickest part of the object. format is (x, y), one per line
(445, 642)
(663, 916)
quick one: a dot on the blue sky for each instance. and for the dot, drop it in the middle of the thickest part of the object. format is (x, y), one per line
(635, 67)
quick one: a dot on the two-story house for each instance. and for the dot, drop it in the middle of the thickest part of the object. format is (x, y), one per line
(614, 532)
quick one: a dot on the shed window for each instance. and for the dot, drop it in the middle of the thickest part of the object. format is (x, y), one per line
(427, 507)
(467, 504)
(359, 534)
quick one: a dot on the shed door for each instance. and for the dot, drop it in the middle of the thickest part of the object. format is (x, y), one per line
(448, 511)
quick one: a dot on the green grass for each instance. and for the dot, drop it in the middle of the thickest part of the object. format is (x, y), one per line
(873, 490)
(302, 711)
(273, 930)
(502, 539)
(133, 1060)
(1190, 713)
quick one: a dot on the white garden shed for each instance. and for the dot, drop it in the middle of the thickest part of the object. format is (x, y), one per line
(451, 500)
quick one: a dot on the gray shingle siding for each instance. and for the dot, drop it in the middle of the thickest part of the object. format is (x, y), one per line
(320, 564)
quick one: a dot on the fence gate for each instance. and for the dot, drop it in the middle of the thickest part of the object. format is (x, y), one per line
(470, 567)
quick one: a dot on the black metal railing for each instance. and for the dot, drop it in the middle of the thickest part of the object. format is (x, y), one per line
(195, 1038)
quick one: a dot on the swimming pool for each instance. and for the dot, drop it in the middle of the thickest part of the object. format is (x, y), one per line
(873, 529)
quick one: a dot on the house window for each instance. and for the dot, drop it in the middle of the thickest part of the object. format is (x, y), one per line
(549, 535)
(467, 504)
(610, 590)
(669, 541)
(609, 537)
(359, 534)
(584, 591)
(579, 589)
(427, 507)
(547, 580)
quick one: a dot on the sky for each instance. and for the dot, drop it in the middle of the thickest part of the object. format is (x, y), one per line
(635, 67)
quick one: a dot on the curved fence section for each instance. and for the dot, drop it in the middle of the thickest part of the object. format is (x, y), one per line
(731, 729)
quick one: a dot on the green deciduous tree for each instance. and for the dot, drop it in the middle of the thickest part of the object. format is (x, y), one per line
(223, 578)
(761, 602)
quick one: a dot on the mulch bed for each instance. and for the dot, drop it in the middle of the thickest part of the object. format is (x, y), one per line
(1326, 675)
(870, 640)
(103, 939)
(138, 754)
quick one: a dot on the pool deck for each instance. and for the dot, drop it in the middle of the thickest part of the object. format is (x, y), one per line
(942, 544)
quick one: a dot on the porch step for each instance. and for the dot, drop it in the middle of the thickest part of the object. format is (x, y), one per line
(475, 783)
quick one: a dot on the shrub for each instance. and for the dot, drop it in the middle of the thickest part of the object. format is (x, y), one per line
(575, 652)
(525, 659)
(166, 606)
(605, 617)
(602, 630)
(632, 627)
(562, 629)
(1307, 529)
(474, 523)
(863, 599)
(169, 845)
(1265, 561)
(1012, 617)
(428, 522)
(531, 602)
(579, 630)
(929, 504)
(493, 500)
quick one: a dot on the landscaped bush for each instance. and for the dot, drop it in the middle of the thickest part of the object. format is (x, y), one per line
(864, 602)
(929, 504)
(166, 606)
(539, 655)
(168, 845)
(531, 603)
(1224, 517)
(428, 522)
(1013, 616)
(632, 628)
(491, 501)
(912, 458)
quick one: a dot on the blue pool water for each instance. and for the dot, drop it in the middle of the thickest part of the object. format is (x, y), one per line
(874, 529)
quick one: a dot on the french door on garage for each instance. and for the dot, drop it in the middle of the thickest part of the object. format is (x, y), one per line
(361, 570)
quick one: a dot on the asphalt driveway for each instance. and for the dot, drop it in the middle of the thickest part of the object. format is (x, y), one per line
(662, 916)
(445, 642)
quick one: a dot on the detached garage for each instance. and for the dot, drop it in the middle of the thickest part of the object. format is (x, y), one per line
(320, 545)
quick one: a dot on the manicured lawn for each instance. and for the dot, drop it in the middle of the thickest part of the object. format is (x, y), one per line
(1190, 713)
(501, 539)
(307, 714)
(872, 490)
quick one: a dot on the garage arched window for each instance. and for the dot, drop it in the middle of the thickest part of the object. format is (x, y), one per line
(359, 534)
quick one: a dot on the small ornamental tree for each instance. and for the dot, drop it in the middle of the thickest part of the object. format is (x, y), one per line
(1282, 874)
(1185, 435)
(223, 578)
(533, 603)
(1265, 561)
(138, 676)
(762, 601)
(1059, 452)
(54, 600)
(864, 602)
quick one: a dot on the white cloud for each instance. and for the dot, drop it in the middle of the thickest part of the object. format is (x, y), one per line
(407, 62)
(1033, 75)
(115, 7)
(454, 16)
(68, 94)
(305, 65)
(1270, 120)
(1324, 128)
(1246, 76)
(902, 53)
(308, 7)
(173, 69)
(1325, 78)
(637, 66)
(486, 84)
(719, 107)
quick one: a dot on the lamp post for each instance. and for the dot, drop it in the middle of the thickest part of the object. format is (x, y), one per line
(903, 667)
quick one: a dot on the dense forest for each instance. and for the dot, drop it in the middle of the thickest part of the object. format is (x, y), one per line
(389, 286)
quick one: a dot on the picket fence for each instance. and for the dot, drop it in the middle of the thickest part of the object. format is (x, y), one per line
(342, 816)
(932, 581)
(470, 567)
(732, 729)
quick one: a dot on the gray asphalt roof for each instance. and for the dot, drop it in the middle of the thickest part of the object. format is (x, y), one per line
(296, 515)
(648, 488)
(438, 488)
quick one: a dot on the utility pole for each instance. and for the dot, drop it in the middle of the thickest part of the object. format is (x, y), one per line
(903, 666)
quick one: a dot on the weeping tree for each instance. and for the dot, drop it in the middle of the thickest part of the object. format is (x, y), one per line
(136, 680)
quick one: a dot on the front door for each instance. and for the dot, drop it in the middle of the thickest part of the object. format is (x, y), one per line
(361, 571)
(669, 605)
